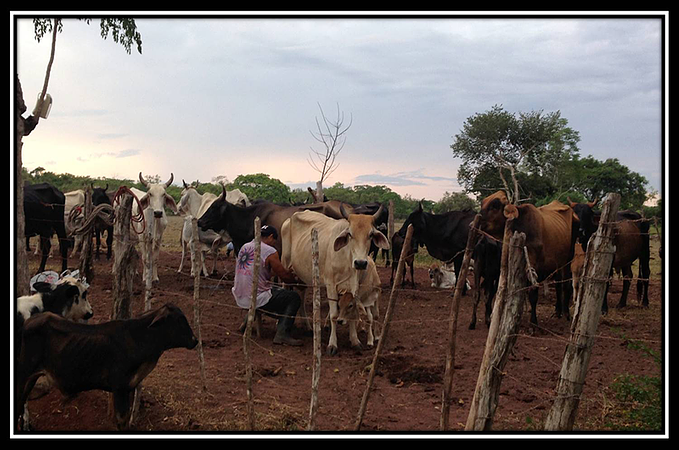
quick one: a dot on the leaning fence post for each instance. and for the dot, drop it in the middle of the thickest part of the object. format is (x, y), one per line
(316, 374)
(196, 296)
(490, 377)
(385, 328)
(452, 324)
(248, 327)
(595, 273)
(496, 315)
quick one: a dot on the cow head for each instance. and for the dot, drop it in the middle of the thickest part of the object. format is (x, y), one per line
(587, 221)
(99, 195)
(171, 323)
(76, 306)
(156, 198)
(493, 214)
(189, 197)
(216, 215)
(358, 235)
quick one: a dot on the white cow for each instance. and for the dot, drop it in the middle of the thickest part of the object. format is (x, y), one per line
(192, 204)
(153, 203)
(443, 276)
(343, 246)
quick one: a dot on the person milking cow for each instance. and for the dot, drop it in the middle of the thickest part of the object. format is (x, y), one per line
(279, 303)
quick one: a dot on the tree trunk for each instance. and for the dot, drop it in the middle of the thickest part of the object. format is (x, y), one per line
(595, 273)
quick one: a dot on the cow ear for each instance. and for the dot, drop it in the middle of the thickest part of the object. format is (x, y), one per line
(170, 203)
(73, 292)
(159, 318)
(511, 212)
(380, 240)
(342, 239)
(41, 286)
(144, 202)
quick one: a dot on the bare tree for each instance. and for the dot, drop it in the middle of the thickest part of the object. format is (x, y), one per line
(333, 137)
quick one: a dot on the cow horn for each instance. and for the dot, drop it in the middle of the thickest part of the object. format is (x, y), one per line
(223, 196)
(378, 213)
(571, 202)
(591, 204)
(344, 211)
(143, 181)
(169, 182)
(185, 185)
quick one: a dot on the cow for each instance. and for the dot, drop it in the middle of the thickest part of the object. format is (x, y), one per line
(444, 235)
(101, 197)
(343, 246)
(73, 217)
(632, 241)
(365, 303)
(551, 232)
(193, 204)
(238, 221)
(67, 298)
(112, 356)
(44, 215)
(487, 257)
(576, 268)
(397, 241)
(153, 203)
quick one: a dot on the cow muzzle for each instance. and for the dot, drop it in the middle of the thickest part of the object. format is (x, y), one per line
(157, 214)
(360, 264)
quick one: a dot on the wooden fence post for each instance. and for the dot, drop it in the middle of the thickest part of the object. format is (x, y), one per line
(385, 328)
(390, 233)
(595, 273)
(452, 324)
(85, 265)
(248, 328)
(496, 315)
(316, 374)
(488, 390)
(196, 296)
(125, 260)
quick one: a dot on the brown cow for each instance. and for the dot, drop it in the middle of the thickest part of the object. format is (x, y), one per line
(551, 231)
(114, 356)
(631, 240)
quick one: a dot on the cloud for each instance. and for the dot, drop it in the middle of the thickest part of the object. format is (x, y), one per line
(411, 178)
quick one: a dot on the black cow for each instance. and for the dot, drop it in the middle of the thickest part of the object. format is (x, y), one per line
(44, 215)
(99, 197)
(487, 260)
(238, 221)
(632, 241)
(113, 356)
(397, 241)
(444, 235)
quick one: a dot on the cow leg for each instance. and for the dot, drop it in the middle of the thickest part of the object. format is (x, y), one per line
(477, 298)
(353, 336)
(533, 295)
(97, 237)
(45, 246)
(109, 242)
(490, 296)
(332, 344)
(626, 281)
(121, 404)
(643, 281)
(371, 336)
(181, 261)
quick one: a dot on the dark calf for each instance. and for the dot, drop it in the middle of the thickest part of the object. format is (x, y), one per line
(113, 356)
(487, 258)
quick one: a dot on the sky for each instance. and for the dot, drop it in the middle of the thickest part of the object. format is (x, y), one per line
(226, 95)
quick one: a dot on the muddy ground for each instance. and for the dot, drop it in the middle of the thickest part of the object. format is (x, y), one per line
(407, 387)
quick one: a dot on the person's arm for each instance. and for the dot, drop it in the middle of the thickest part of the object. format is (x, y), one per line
(274, 263)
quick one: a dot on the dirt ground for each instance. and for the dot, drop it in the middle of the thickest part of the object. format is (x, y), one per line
(408, 385)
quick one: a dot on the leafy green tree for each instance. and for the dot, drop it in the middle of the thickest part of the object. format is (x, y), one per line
(260, 186)
(455, 201)
(514, 147)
